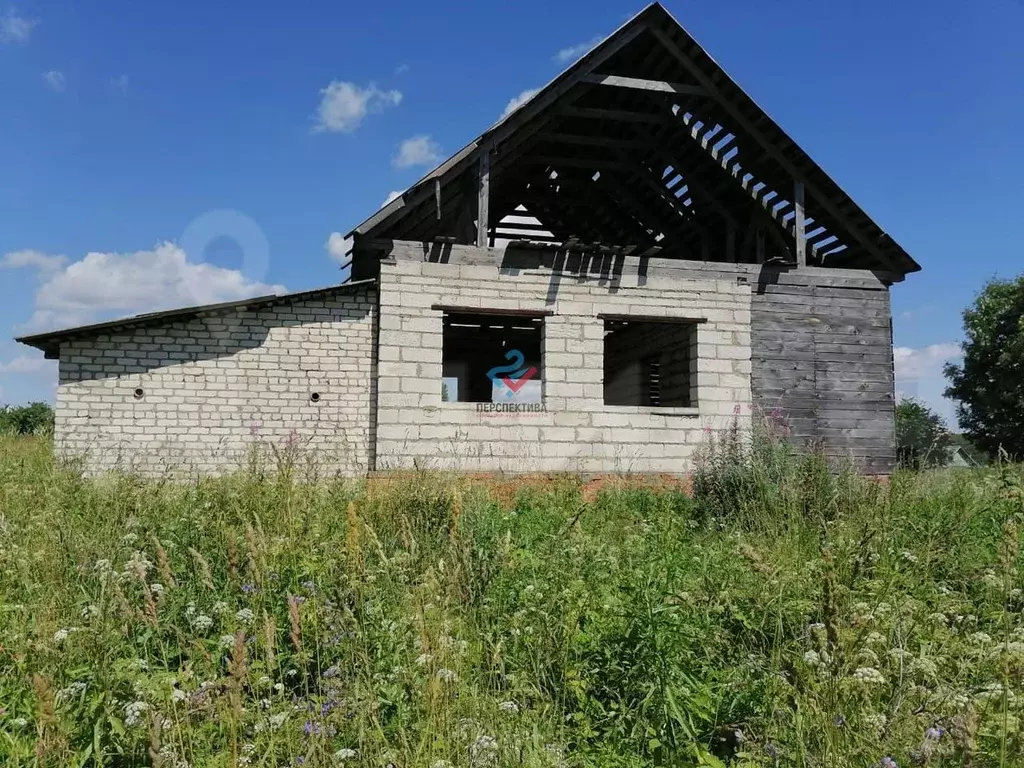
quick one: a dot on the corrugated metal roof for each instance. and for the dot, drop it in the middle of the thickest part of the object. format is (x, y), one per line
(50, 341)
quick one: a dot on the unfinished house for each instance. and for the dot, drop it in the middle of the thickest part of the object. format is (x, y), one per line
(635, 259)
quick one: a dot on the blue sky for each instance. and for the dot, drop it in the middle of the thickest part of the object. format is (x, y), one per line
(178, 153)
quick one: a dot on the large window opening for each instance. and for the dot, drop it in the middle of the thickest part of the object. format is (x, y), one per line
(491, 358)
(650, 363)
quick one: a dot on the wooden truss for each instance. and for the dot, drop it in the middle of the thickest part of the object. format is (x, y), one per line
(644, 144)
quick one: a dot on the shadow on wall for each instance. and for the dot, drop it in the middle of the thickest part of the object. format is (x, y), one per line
(142, 349)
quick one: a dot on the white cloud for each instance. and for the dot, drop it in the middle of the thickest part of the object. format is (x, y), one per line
(573, 52)
(418, 150)
(338, 247)
(26, 364)
(919, 375)
(518, 101)
(392, 195)
(55, 81)
(15, 28)
(105, 285)
(345, 105)
(30, 259)
(914, 363)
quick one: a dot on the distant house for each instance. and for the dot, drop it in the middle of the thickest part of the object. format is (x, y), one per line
(636, 257)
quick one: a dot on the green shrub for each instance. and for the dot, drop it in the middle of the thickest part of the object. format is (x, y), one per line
(32, 419)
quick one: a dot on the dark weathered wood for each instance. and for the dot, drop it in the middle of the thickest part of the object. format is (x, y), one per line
(822, 361)
(798, 224)
(483, 196)
(616, 115)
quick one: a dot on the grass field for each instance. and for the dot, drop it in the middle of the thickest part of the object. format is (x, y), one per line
(783, 616)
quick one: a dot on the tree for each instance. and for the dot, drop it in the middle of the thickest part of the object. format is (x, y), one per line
(989, 385)
(922, 438)
(32, 419)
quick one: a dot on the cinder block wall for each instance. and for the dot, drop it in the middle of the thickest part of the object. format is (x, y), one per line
(213, 388)
(577, 432)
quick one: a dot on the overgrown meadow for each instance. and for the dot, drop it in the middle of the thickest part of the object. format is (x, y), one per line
(781, 616)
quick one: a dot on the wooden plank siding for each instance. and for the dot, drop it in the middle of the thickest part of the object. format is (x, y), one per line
(821, 338)
(822, 360)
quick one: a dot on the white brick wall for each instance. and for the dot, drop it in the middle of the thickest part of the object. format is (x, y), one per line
(217, 387)
(577, 432)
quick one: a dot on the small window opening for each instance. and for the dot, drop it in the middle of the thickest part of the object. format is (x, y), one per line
(649, 363)
(139, 393)
(490, 358)
(315, 397)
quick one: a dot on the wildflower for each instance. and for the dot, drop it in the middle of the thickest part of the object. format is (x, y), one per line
(332, 671)
(19, 722)
(869, 675)
(868, 655)
(71, 691)
(178, 695)
(447, 675)
(935, 733)
(62, 634)
(248, 588)
(220, 607)
(812, 658)
(311, 728)
(245, 615)
(276, 721)
(226, 641)
(875, 721)
(938, 619)
(840, 721)
(201, 622)
(980, 638)
(139, 565)
(441, 764)
(89, 611)
(279, 687)
(990, 579)
(909, 556)
(772, 750)
(887, 762)
(898, 654)
(157, 589)
(994, 692)
(926, 667)
(483, 745)
(133, 712)
(423, 659)
(509, 707)
(344, 754)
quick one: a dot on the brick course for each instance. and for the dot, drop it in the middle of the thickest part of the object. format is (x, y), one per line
(577, 432)
(213, 388)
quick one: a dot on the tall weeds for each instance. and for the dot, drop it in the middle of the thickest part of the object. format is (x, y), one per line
(786, 615)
